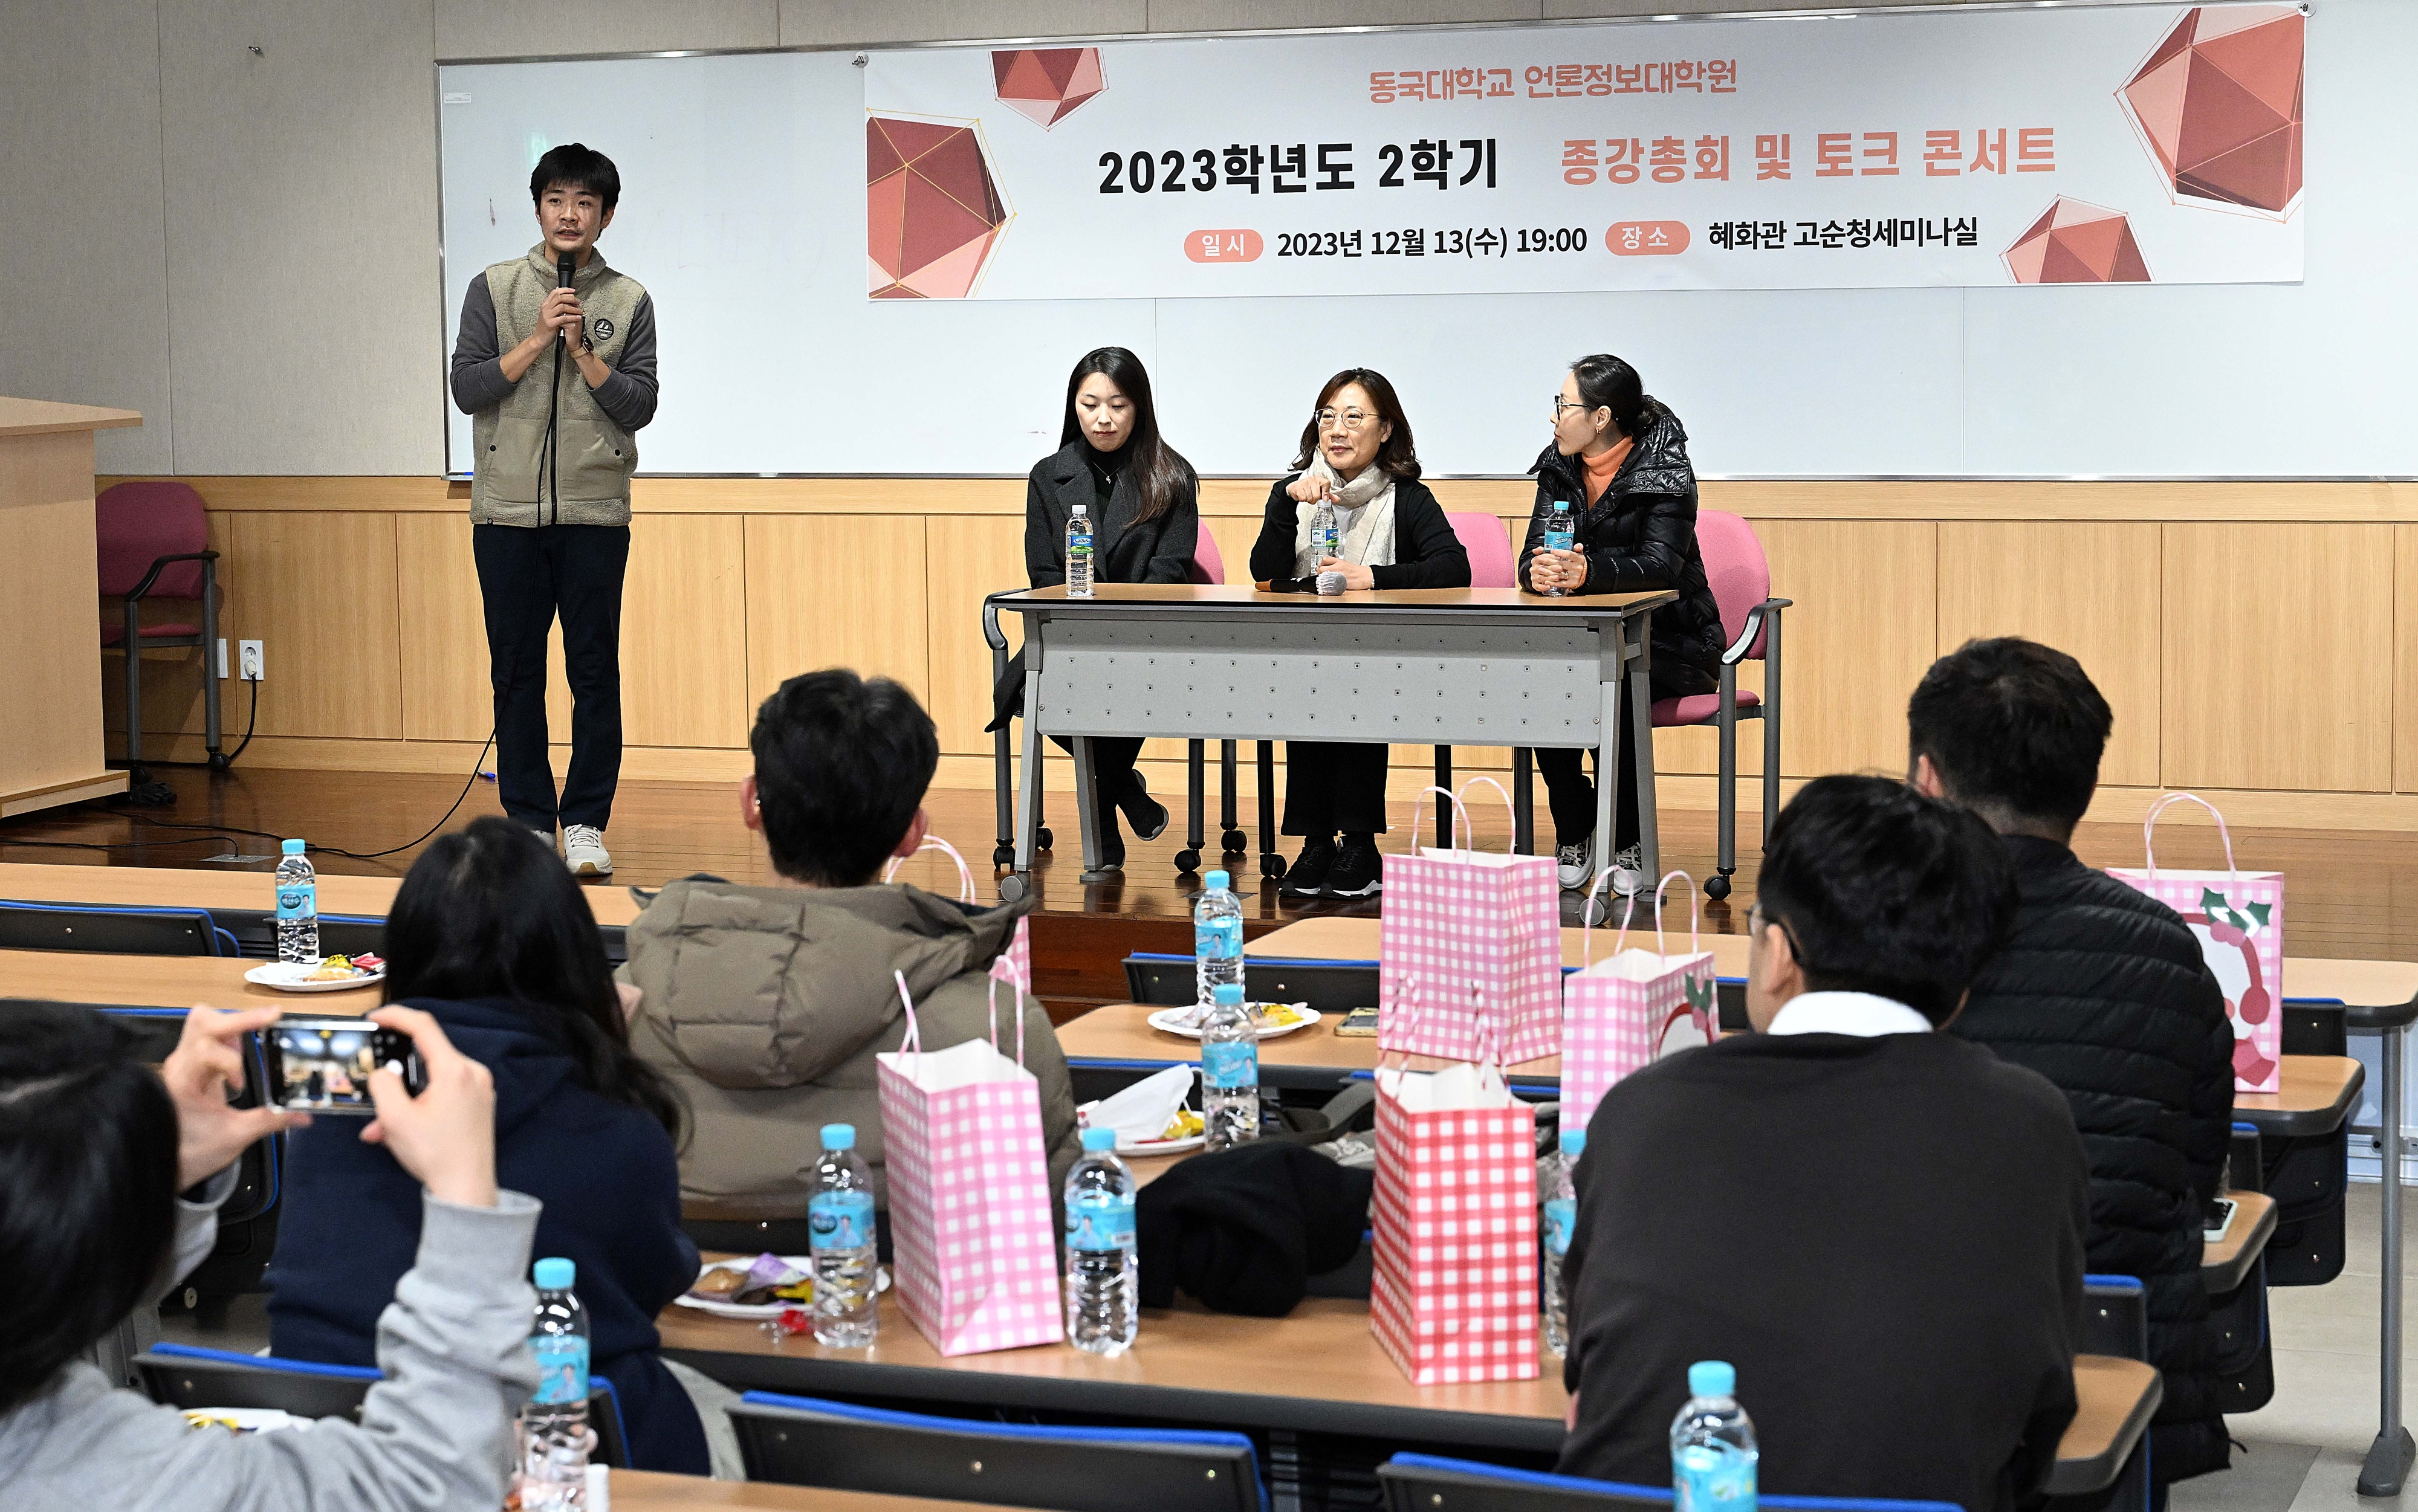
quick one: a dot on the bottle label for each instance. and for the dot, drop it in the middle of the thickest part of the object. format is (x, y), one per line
(1560, 1214)
(1231, 1065)
(1218, 939)
(1713, 1477)
(561, 1369)
(298, 900)
(1558, 539)
(1100, 1220)
(839, 1220)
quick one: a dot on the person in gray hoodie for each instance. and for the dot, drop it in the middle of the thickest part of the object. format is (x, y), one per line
(765, 1006)
(94, 1150)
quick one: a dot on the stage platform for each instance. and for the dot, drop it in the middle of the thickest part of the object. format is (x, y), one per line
(2340, 884)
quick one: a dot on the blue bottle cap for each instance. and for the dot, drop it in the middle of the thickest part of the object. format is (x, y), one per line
(294, 848)
(1216, 882)
(1712, 1377)
(1225, 992)
(555, 1274)
(1573, 1143)
(839, 1136)
(1099, 1139)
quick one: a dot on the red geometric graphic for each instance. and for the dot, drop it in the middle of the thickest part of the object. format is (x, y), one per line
(2077, 243)
(932, 214)
(2218, 104)
(1046, 83)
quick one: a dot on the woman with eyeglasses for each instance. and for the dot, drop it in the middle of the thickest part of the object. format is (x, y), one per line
(1619, 460)
(1390, 532)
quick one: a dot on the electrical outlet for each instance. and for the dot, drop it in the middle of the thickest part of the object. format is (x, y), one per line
(221, 659)
(249, 654)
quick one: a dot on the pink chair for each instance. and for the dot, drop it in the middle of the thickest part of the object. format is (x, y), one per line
(153, 542)
(1741, 583)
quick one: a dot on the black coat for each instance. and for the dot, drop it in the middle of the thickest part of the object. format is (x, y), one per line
(2101, 990)
(1641, 534)
(1427, 553)
(1152, 551)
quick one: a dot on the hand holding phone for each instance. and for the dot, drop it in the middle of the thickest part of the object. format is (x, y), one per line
(444, 1132)
(200, 1073)
(321, 1064)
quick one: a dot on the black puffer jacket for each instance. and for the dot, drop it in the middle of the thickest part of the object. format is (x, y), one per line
(2103, 990)
(1641, 534)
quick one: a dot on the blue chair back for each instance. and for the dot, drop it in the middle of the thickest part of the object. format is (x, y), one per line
(1427, 1483)
(806, 1440)
(112, 930)
(2114, 1318)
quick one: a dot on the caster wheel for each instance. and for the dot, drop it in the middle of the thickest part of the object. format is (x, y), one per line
(1187, 861)
(219, 761)
(1002, 856)
(1013, 887)
(1594, 912)
(1044, 839)
(1236, 842)
(1272, 867)
(1716, 887)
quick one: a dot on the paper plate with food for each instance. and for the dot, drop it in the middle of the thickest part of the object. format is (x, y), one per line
(1185, 1131)
(1273, 1018)
(329, 973)
(765, 1286)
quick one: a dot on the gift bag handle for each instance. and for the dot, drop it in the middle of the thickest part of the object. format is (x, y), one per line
(1499, 793)
(1461, 822)
(1004, 970)
(1406, 994)
(913, 1042)
(1696, 935)
(2150, 831)
(933, 841)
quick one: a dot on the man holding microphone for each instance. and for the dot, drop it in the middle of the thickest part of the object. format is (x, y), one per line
(555, 364)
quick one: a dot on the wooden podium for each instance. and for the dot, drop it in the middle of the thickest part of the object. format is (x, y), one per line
(51, 588)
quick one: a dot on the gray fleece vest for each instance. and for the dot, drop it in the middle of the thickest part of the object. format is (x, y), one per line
(512, 472)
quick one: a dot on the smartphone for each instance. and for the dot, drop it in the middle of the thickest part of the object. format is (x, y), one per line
(1360, 1023)
(2217, 1219)
(323, 1065)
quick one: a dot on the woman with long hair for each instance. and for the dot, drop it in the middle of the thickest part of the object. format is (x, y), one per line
(491, 936)
(1356, 455)
(1144, 501)
(1618, 459)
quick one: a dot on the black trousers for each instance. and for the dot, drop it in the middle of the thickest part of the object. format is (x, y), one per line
(1572, 796)
(1113, 770)
(1334, 786)
(526, 578)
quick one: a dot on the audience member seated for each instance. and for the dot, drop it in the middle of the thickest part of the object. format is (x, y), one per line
(1879, 1225)
(2103, 990)
(491, 936)
(766, 1005)
(93, 1152)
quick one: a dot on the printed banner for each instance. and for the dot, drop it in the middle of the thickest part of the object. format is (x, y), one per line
(2126, 144)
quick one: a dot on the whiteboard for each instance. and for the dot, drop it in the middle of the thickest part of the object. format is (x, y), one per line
(743, 212)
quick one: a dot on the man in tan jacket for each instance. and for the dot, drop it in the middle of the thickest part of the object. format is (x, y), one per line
(766, 1005)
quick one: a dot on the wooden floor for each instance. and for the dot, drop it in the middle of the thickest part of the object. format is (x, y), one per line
(2342, 891)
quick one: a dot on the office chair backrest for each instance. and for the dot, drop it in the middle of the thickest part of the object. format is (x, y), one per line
(2114, 1318)
(1490, 563)
(134, 524)
(1428, 1483)
(1207, 566)
(111, 931)
(1738, 573)
(805, 1441)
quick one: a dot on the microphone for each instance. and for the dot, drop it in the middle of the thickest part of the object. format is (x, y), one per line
(563, 269)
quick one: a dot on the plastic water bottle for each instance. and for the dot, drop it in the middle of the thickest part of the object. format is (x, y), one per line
(1712, 1443)
(1103, 1277)
(839, 1232)
(1559, 535)
(1325, 537)
(1561, 1211)
(554, 1425)
(298, 905)
(1229, 1071)
(1079, 553)
(1216, 939)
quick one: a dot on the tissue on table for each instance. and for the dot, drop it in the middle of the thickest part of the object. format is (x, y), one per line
(1142, 1112)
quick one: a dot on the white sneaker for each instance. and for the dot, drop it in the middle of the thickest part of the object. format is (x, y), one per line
(1575, 866)
(1628, 871)
(583, 848)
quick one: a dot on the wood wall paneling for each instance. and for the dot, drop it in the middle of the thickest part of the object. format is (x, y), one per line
(968, 558)
(836, 591)
(2276, 656)
(2088, 590)
(321, 592)
(684, 632)
(2404, 660)
(446, 694)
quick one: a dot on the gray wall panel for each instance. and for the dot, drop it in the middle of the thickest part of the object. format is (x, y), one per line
(553, 28)
(840, 23)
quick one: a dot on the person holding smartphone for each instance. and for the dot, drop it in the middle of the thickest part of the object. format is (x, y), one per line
(1356, 458)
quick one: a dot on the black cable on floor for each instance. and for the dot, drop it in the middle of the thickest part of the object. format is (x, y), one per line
(468, 783)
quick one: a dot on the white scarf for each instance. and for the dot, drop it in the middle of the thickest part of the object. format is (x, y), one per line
(1364, 518)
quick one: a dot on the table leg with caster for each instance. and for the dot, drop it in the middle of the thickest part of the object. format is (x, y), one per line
(1272, 863)
(1196, 802)
(2389, 1457)
(1234, 842)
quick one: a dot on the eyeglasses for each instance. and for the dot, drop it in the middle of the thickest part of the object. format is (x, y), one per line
(1561, 404)
(1353, 420)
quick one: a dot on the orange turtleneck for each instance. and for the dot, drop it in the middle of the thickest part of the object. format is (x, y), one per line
(1600, 469)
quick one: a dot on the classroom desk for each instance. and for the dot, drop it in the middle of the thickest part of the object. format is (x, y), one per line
(642, 1491)
(1442, 666)
(1321, 1371)
(2226, 1263)
(160, 981)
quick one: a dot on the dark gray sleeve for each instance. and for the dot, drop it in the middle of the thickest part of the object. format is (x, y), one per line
(479, 381)
(628, 392)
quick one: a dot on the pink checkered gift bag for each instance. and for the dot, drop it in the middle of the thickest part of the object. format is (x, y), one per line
(1483, 932)
(2238, 918)
(970, 1215)
(1454, 1293)
(1019, 944)
(1621, 1014)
